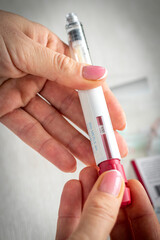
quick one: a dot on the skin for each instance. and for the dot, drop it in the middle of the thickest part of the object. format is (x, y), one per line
(135, 222)
(35, 62)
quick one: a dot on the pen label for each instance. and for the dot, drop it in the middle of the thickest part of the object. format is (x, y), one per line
(104, 136)
(101, 129)
(92, 137)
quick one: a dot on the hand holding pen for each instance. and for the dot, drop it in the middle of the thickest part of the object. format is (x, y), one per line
(89, 209)
(34, 62)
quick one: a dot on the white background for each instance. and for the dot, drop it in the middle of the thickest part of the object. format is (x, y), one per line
(123, 36)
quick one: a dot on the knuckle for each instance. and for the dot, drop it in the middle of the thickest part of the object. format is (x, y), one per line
(103, 209)
(68, 101)
(7, 67)
(62, 62)
(25, 59)
(50, 118)
(79, 235)
(45, 145)
(27, 129)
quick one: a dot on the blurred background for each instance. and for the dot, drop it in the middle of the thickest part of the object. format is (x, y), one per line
(124, 37)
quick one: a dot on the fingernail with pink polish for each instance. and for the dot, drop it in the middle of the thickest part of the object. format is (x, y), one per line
(94, 72)
(111, 183)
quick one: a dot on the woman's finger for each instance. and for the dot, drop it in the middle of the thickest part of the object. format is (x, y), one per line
(143, 219)
(88, 176)
(122, 145)
(66, 101)
(61, 130)
(17, 92)
(31, 132)
(138, 220)
(72, 200)
(116, 112)
(69, 210)
(101, 208)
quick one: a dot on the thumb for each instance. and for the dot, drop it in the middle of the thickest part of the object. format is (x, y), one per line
(44, 62)
(101, 208)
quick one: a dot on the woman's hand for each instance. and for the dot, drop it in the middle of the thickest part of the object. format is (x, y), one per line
(35, 65)
(93, 213)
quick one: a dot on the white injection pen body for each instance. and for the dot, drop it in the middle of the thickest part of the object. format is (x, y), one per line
(99, 126)
(93, 103)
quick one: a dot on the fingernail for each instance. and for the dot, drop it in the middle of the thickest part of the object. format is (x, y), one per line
(111, 183)
(94, 72)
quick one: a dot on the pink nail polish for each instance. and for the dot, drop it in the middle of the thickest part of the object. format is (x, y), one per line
(94, 72)
(111, 183)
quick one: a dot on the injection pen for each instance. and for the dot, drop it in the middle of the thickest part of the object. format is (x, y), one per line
(99, 126)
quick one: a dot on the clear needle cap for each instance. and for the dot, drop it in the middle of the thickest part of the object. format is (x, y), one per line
(71, 18)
